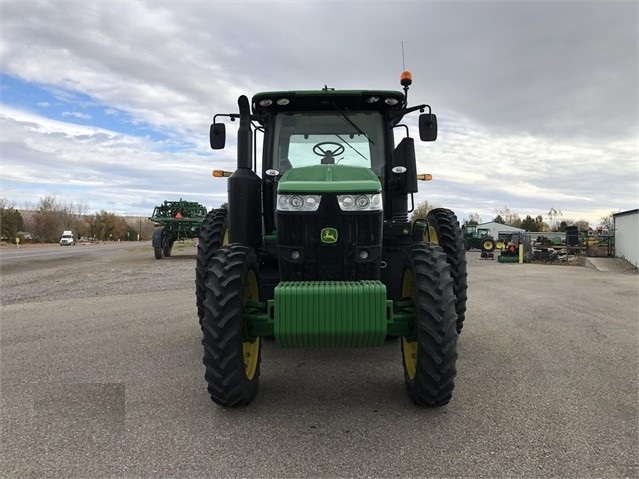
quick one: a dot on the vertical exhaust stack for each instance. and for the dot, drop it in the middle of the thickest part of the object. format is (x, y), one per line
(245, 187)
(244, 134)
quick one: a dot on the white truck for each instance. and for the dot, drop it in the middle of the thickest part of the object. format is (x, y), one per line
(67, 238)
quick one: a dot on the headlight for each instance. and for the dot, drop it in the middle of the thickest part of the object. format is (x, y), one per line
(367, 202)
(298, 202)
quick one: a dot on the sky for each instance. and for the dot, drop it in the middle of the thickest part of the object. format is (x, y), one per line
(107, 105)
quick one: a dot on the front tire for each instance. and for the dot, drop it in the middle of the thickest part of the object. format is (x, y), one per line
(232, 361)
(487, 245)
(430, 357)
(158, 242)
(212, 236)
(451, 238)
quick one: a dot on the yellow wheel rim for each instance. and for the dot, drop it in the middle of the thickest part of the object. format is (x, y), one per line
(432, 235)
(410, 357)
(251, 349)
(409, 348)
(225, 239)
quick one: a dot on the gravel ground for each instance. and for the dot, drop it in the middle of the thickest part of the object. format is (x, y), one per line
(128, 270)
(102, 377)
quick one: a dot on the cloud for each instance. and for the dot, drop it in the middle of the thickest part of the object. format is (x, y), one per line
(113, 168)
(77, 114)
(537, 101)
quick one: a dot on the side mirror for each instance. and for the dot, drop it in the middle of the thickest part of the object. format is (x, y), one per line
(427, 127)
(217, 136)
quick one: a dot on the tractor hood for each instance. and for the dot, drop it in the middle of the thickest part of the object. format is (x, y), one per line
(329, 179)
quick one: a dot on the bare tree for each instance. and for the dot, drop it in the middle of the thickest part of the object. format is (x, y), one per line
(79, 212)
(553, 217)
(48, 220)
(473, 219)
(607, 223)
(108, 226)
(422, 209)
(508, 218)
(583, 225)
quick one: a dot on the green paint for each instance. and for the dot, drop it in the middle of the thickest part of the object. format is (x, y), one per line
(307, 321)
(330, 313)
(329, 235)
(329, 179)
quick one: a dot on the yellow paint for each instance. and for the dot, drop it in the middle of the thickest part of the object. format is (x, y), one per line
(432, 235)
(251, 349)
(409, 348)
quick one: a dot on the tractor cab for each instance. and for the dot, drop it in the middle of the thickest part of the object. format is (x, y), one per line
(332, 127)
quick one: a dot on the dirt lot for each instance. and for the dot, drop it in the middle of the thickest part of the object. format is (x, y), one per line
(102, 377)
(127, 270)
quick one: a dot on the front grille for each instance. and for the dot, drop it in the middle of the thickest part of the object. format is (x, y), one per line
(300, 234)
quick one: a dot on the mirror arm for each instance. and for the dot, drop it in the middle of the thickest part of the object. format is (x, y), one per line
(405, 111)
(232, 116)
(405, 126)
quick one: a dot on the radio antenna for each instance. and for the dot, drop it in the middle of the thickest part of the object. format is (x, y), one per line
(403, 62)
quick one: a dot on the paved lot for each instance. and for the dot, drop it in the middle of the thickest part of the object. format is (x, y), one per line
(108, 382)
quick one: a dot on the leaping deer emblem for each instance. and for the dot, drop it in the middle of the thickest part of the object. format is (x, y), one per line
(329, 235)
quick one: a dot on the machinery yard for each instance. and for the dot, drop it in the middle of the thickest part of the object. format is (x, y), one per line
(103, 378)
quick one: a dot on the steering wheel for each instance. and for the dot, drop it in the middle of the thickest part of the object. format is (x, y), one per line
(328, 156)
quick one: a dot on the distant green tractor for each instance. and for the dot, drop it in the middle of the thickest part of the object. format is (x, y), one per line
(318, 251)
(478, 238)
(175, 220)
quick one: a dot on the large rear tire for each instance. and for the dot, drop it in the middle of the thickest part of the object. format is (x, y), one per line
(232, 361)
(449, 236)
(212, 236)
(430, 357)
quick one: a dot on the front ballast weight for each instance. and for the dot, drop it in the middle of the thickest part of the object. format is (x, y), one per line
(313, 314)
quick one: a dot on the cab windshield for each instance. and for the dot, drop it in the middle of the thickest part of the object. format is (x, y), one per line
(341, 138)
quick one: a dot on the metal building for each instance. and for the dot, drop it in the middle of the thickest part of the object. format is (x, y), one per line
(627, 235)
(496, 228)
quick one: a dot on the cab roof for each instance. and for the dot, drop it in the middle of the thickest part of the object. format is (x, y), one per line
(327, 99)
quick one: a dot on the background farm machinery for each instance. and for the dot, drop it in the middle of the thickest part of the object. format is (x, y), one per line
(478, 238)
(550, 247)
(175, 220)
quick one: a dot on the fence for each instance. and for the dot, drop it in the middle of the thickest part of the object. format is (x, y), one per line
(557, 246)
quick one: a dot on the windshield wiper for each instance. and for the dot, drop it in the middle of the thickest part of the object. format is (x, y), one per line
(351, 146)
(350, 122)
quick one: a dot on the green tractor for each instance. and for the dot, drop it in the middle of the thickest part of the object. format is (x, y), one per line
(175, 220)
(318, 250)
(478, 238)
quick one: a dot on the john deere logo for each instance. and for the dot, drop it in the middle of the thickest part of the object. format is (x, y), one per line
(329, 235)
